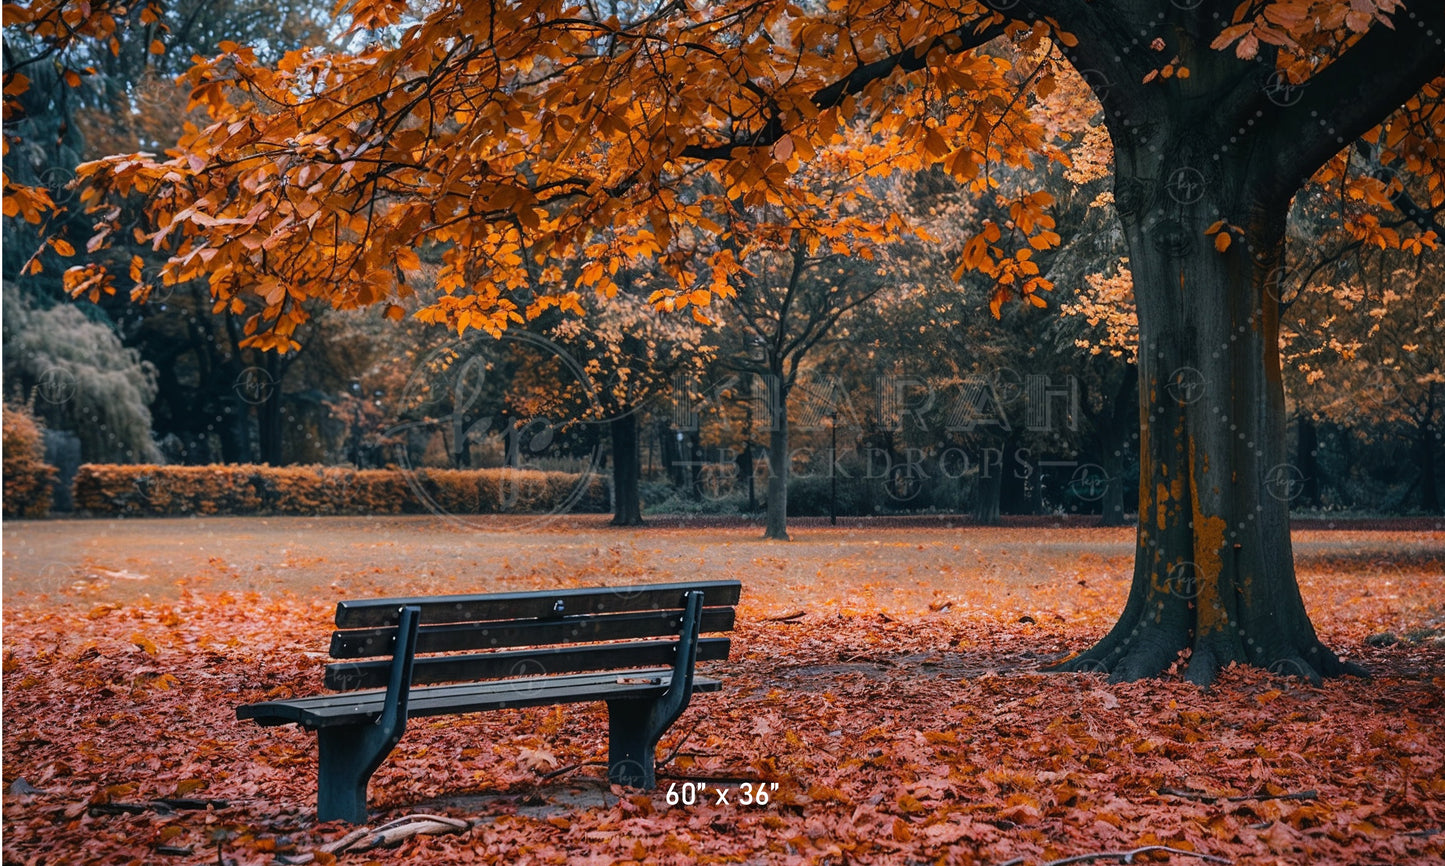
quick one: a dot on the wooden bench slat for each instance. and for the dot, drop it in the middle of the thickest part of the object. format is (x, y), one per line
(455, 637)
(347, 676)
(546, 604)
(363, 707)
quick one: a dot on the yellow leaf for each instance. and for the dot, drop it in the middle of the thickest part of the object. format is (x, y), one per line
(157, 47)
(144, 643)
(1222, 241)
(62, 246)
(1214, 227)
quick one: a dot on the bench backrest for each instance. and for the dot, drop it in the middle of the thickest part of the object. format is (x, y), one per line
(523, 634)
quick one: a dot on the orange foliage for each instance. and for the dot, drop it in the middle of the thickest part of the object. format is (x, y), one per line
(28, 477)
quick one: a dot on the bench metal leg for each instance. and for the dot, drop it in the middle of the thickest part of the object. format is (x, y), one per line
(349, 755)
(633, 733)
(636, 724)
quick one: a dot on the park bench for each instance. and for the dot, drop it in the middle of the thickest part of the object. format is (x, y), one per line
(514, 649)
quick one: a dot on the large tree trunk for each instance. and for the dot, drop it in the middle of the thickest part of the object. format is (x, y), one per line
(626, 470)
(1214, 572)
(1224, 149)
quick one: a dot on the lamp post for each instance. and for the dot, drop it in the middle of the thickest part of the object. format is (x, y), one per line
(833, 467)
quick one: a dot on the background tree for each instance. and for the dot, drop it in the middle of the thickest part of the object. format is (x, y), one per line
(634, 354)
(79, 377)
(790, 301)
(1365, 348)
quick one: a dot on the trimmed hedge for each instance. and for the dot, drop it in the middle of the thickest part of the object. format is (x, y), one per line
(317, 490)
(28, 478)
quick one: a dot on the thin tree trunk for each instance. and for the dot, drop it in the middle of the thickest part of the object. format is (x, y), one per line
(776, 522)
(987, 493)
(1307, 445)
(1429, 484)
(626, 470)
(235, 431)
(268, 414)
(1112, 451)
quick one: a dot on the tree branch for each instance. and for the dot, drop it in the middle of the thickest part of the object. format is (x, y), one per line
(1351, 96)
(910, 59)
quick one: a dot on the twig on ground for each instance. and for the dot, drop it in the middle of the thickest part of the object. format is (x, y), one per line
(562, 771)
(787, 617)
(388, 834)
(164, 806)
(1201, 796)
(1128, 856)
(680, 743)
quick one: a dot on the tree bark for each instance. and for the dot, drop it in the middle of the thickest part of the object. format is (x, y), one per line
(626, 470)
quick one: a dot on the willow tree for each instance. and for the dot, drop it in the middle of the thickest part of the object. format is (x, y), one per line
(506, 136)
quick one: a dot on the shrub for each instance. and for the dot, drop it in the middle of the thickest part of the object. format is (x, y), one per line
(28, 477)
(314, 490)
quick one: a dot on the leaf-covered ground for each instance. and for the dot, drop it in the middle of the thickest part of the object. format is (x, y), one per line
(902, 715)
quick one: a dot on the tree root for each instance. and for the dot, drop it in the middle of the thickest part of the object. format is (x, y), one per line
(1203, 668)
(1126, 659)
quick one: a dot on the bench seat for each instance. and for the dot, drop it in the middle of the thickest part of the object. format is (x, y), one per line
(352, 708)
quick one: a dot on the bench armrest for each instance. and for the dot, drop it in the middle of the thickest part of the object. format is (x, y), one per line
(392, 720)
(684, 663)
